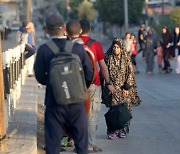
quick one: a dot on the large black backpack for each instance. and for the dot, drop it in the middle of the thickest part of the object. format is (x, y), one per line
(66, 75)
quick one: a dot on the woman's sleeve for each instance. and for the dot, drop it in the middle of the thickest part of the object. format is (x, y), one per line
(129, 75)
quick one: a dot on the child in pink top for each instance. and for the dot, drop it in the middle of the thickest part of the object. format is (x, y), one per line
(159, 51)
(133, 53)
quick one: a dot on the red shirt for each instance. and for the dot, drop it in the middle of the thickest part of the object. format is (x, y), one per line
(97, 49)
(134, 51)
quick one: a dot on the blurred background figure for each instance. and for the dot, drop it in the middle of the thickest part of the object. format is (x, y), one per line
(141, 40)
(151, 43)
(128, 43)
(31, 41)
(167, 39)
(159, 52)
(22, 37)
(176, 45)
(134, 53)
(176, 41)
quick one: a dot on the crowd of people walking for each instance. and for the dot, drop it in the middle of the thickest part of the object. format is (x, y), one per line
(166, 48)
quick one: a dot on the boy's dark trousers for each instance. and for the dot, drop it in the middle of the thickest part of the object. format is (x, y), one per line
(70, 118)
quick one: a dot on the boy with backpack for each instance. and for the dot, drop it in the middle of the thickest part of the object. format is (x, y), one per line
(66, 114)
(73, 30)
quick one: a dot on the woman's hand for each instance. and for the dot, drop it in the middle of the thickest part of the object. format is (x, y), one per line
(178, 44)
(111, 89)
(125, 93)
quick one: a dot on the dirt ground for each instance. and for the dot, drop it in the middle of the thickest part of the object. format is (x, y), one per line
(40, 125)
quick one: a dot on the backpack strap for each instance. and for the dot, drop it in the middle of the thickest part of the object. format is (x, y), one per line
(89, 42)
(55, 49)
(68, 46)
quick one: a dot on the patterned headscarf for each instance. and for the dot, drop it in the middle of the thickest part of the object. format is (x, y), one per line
(117, 41)
(110, 51)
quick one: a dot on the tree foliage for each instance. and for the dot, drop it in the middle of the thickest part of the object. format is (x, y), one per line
(73, 12)
(61, 6)
(113, 11)
(74, 8)
(175, 16)
(86, 11)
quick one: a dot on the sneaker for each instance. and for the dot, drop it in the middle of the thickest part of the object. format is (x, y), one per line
(113, 136)
(122, 135)
(64, 141)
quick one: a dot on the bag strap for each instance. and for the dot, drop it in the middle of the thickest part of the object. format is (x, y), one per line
(89, 42)
(55, 49)
(68, 46)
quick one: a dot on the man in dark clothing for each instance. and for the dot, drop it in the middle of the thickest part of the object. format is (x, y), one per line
(141, 39)
(59, 118)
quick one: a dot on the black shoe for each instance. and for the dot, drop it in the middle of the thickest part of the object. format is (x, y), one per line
(136, 72)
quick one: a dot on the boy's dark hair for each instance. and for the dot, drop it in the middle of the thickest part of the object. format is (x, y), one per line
(24, 23)
(73, 27)
(85, 26)
(160, 42)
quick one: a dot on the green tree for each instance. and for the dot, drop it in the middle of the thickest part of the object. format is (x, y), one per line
(74, 8)
(175, 16)
(61, 6)
(135, 11)
(73, 12)
(86, 11)
(110, 11)
(113, 11)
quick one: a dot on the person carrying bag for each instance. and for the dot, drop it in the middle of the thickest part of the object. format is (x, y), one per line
(122, 77)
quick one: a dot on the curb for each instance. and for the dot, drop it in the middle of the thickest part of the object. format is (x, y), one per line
(24, 140)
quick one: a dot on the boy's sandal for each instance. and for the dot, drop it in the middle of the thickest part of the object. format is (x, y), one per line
(94, 149)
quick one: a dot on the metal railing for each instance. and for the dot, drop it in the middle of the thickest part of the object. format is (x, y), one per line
(14, 73)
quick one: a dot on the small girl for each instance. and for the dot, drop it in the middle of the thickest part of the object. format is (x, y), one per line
(134, 53)
(159, 51)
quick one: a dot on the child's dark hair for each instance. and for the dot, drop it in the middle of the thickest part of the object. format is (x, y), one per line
(159, 42)
(127, 33)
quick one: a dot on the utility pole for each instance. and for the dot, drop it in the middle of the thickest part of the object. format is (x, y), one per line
(162, 7)
(29, 10)
(147, 16)
(3, 144)
(126, 22)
